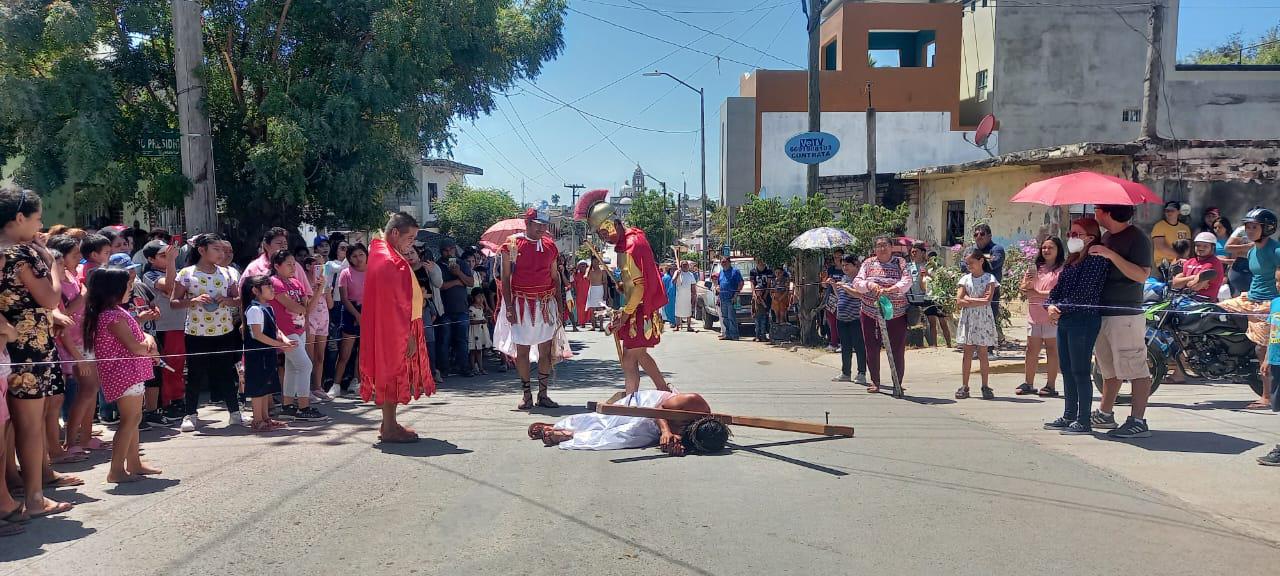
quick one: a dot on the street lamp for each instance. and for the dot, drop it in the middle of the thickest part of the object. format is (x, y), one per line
(702, 131)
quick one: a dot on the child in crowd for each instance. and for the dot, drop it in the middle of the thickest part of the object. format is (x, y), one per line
(479, 336)
(95, 249)
(290, 306)
(262, 339)
(317, 324)
(125, 360)
(977, 328)
(75, 367)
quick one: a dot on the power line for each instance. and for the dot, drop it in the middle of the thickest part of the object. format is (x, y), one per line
(531, 145)
(607, 137)
(776, 35)
(716, 34)
(666, 11)
(508, 160)
(556, 100)
(652, 37)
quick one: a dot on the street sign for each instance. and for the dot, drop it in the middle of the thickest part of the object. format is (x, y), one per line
(812, 147)
(725, 250)
(160, 144)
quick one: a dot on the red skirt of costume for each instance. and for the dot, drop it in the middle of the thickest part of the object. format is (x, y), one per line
(413, 382)
(640, 332)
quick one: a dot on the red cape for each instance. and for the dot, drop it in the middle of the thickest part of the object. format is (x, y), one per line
(581, 286)
(636, 246)
(385, 329)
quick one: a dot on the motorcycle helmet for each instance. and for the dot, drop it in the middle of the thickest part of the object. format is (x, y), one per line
(1262, 217)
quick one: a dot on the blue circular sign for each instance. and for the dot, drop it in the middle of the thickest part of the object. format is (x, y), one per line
(812, 147)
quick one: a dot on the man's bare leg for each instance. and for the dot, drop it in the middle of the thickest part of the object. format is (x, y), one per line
(651, 368)
(391, 430)
(1110, 389)
(631, 370)
(545, 358)
(522, 370)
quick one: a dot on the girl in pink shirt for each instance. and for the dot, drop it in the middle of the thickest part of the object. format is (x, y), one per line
(1041, 331)
(125, 358)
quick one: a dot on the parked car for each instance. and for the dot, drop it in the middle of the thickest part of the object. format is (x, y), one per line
(709, 303)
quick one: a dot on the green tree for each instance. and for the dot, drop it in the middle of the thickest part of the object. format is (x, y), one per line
(1235, 50)
(319, 109)
(866, 221)
(648, 213)
(765, 227)
(467, 212)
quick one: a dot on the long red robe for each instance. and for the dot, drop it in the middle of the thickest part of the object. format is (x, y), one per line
(581, 286)
(644, 329)
(385, 329)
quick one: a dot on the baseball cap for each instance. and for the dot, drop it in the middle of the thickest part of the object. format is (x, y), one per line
(1207, 237)
(152, 249)
(537, 215)
(121, 262)
(320, 239)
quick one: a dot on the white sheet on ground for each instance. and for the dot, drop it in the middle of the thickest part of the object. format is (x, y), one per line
(594, 431)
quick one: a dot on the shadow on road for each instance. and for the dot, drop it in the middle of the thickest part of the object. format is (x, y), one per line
(423, 448)
(51, 530)
(1193, 442)
(148, 485)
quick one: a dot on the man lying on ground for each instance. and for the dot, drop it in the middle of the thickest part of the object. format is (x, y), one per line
(594, 431)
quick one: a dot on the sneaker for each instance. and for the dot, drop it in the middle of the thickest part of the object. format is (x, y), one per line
(156, 417)
(1059, 424)
(832, 349)
(189, 423)
(1076, 429)
(335, 391)
(841, 378)
(1133, 428)
(236, 419)
(861, 378)
(288, 412)
(143, 425)
(1102, 421)
(319, 396)
(309, 414)
(1272, 458)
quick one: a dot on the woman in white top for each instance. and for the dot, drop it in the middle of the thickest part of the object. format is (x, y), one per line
(207, 291)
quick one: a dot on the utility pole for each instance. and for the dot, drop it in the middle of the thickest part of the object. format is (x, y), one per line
(573, 204)
(871, 149)
(196, 142)
(1155, 71)
(815, 99)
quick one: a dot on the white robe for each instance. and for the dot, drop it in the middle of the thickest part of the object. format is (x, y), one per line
(684, 294)
(594, 431)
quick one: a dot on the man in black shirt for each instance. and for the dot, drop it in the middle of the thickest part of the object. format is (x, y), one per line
(455, 320)
(1121, 346)
(760, 276)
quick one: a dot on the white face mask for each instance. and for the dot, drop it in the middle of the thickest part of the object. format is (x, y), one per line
(1075, 245)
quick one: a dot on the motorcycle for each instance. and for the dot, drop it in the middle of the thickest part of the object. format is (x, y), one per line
(1182, 324)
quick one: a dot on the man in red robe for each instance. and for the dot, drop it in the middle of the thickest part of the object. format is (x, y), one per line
(393, 354)
(530, 324)
(638, 325)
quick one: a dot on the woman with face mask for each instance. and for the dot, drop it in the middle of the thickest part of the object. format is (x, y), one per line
(1073, 305)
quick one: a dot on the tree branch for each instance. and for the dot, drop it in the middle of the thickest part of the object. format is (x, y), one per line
(232, 73)
(275, 44)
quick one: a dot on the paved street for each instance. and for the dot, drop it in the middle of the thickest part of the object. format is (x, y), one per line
(923, 488)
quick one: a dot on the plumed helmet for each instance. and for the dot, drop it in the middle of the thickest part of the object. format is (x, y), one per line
(1262, 217)
(595, 209)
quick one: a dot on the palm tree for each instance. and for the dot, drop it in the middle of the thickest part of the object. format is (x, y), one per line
(555, 199)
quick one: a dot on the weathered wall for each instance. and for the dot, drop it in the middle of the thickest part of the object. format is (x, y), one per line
(1066, 74)
(977, 53)
(737, 150)
(904, 141)
(986, 195)
(890, 191)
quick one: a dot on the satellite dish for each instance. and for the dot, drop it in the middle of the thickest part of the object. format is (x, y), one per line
(983, 133)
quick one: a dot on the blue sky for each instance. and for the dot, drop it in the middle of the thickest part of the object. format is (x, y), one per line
(532, 131)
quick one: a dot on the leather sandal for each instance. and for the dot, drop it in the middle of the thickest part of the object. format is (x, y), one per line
(544, 401)
(527, 402)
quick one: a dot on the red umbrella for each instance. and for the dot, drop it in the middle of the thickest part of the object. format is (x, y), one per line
(498, 233)
(1086, 188)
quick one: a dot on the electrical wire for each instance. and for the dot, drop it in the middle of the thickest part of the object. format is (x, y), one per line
(667, 11)
(529, 145)
(659, 39)
(718, 35)
(556, 100)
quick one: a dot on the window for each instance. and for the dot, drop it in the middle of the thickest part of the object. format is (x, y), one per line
(955, 223)
(829, 54)
(433, 192)
(1132, 115)
(981, 83)
(901, 48)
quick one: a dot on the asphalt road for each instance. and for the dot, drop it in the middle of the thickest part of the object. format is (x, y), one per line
(919, 490)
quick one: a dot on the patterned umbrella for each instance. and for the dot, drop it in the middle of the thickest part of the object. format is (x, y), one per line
(498, 233)
(823, 238)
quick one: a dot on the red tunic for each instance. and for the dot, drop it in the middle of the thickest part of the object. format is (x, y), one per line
(385, 329)
(531, 270)
(581, 286)
(644, 328)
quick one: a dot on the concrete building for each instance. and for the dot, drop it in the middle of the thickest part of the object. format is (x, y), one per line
(433, 176)
(913, 84)
(1056, 75)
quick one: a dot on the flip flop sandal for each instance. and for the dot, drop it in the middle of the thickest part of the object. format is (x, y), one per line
(1258, 405)
(16, 516)
(70, 457)
(873, 389)
(64, 482)
(1048, 392)
(11, 529)
(406, 439)
(1025, 389)
(988, 393)
(962, 393)
(59, 508)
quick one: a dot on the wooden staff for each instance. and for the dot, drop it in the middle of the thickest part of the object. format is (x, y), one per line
(748, 421)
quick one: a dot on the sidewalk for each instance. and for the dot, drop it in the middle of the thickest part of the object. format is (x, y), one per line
(1201, 451)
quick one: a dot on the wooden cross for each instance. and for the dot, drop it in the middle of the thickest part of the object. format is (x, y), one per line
(748, 421)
